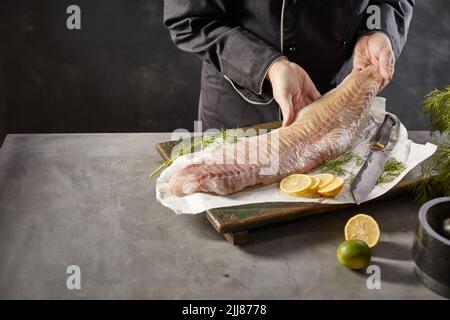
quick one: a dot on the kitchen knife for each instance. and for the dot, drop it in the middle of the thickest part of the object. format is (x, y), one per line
(367, 177)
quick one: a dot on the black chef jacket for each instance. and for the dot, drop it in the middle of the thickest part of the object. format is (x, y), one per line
(238, 40)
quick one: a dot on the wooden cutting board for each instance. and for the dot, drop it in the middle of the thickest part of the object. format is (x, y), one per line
(235, 222)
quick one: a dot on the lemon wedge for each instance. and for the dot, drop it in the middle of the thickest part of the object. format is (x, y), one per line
(295, 184)
(362, 227)
(325, 179)
(332, 188)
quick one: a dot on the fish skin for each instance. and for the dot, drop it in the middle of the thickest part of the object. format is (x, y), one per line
(321, 131)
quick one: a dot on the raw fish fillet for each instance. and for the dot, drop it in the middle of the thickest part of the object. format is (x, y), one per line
(323, 130)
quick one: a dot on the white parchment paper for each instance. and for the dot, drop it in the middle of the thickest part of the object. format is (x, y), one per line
(399, 147)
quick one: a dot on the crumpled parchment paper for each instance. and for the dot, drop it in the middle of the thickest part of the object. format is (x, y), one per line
(400, 148)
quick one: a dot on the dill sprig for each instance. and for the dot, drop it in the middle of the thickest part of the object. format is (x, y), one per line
(335, 166)
(435, 179)
(183, 148)
(195, 142)
(392, 169)
(358, 160)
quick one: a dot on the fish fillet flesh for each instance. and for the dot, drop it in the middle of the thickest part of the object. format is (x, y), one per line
(321, 131)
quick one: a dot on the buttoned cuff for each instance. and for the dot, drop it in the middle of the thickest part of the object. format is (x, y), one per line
(263, 94)
(245, 61)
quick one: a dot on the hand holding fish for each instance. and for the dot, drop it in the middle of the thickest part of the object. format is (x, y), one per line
(292, 88)
(375, 49)
(323, 130)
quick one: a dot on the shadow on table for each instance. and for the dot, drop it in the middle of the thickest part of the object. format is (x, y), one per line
(392, 250)
(296, 235)
(393, 215)
(395, 273)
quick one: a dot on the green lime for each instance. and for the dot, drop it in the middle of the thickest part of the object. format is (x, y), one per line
(354, 254)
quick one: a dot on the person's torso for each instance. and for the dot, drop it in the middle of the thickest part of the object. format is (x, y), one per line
(318, 35)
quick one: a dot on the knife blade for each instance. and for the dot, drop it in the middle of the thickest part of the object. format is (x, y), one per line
(367, 177)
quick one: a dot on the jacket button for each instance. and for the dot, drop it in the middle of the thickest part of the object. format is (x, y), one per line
(292, 49)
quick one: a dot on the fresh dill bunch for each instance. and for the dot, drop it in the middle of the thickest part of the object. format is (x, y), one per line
(437, 106)
(435, 179)
(392, 169)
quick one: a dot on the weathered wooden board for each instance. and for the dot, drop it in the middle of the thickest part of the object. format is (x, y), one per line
(234, 222)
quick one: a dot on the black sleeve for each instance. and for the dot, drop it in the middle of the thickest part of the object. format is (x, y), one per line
(395, 19)
(207, 29)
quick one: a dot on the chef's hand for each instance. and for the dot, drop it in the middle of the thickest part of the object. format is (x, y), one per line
(292, 88)
(375, 49)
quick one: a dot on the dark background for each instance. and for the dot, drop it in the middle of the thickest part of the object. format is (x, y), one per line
(121, 72)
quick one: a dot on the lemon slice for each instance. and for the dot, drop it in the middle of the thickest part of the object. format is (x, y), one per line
(295, 184)
(315, 184)
(363, 227)
(325, 179)
(332, 188)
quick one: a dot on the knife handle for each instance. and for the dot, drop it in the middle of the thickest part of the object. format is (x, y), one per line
(383, 134)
